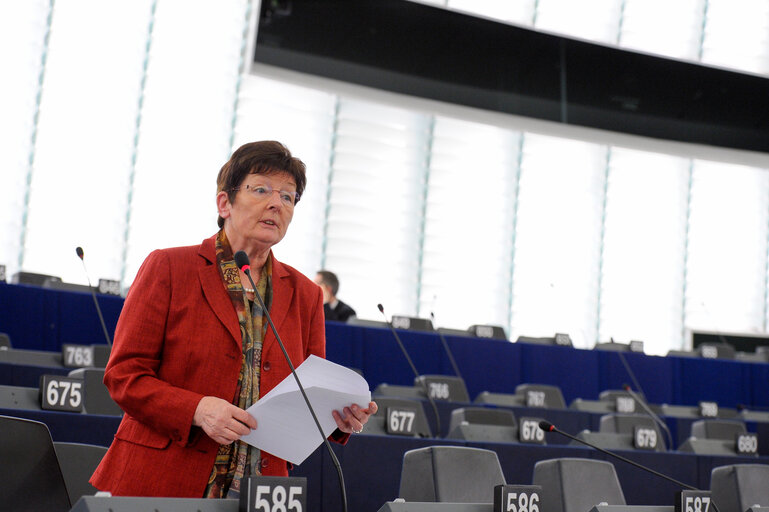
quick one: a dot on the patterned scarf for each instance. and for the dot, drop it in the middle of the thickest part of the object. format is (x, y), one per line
(239, 459)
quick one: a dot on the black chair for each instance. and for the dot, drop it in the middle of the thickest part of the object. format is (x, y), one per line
(623, 426)
(503, 399)
(444, 387)
(576, 485)
(78, 462)
(30, 476)
(717, 429)
(19, 397)
(738, 487)
(552, 395)
(96, 398)
(713, 437)
(450, 474)
(483, 425)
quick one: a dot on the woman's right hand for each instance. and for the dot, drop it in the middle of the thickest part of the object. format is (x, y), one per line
(222, 421)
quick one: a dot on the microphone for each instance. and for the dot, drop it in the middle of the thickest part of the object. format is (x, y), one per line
(413, 369)
(242, 261)
(446, 348)
(651, 413)
(549, 427)
(81, 254)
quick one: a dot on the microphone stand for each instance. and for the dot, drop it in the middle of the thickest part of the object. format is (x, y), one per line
(81, 254)
(446, 348)
(414, 369)
(241, 259)
(549, 427)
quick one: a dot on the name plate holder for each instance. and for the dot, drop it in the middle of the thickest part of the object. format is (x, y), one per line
(529, 431)
(400, 421)
(517, 498)
(273, 494)
(58, 393)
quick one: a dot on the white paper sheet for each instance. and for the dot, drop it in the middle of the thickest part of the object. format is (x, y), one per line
(285, 426)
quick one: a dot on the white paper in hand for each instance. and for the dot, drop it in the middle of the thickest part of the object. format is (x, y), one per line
(285, 426)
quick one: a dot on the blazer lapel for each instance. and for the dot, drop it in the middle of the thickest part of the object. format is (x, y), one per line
(214, 292)
(282, 295)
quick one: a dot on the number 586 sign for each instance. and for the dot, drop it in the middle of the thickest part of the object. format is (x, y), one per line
(517, 498)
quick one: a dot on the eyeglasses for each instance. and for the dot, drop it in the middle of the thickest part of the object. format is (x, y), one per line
(263, 192)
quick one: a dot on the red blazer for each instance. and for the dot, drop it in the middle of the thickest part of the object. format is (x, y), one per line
(178, 340)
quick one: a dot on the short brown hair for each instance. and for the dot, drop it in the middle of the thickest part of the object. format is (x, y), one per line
(262, 157)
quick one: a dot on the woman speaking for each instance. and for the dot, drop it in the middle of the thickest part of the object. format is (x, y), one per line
(192, 350)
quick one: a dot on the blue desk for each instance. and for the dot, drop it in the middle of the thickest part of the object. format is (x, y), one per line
(43, 319)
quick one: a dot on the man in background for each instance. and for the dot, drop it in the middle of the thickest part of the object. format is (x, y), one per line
(334, 308)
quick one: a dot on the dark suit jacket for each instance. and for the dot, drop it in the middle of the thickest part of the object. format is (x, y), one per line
(178, 340)
(340, 313)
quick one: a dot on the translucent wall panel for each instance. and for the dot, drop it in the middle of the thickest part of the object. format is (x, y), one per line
(302, 119)
(86, 125)
(521, 12)
(598, 22)
(557, 245)
(726, 267)
(187, 121)
(467, 251)
(23, 28)
(644, 244)
(675, 34)
(736, 35)
(375, 206)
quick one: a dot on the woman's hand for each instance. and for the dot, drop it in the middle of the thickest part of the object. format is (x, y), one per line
(222, 421)
(352, 418)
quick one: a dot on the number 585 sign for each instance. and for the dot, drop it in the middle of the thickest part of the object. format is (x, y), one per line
(273, 494)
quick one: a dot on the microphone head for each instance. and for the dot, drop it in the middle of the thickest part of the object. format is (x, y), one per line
(546, 426)
(242, 261)
(380, 308)
(79, 251)
(626, 387)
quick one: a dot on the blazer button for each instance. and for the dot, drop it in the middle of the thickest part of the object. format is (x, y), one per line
(267, 366)
(265, 462)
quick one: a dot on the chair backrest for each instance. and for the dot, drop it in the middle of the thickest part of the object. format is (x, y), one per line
(576, 485)
(738, 487)
(627, 423)
(78, 462)
(19, 397)
(482, 416)
(717, 429)
(450, 474)
(552, 394)
(96, 399)
(30, 476)
(483, 425)
(506, 399)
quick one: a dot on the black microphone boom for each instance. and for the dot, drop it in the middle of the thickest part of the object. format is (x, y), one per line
(640, 401)
(414, 369)
(549, 427)
(81, 254)
(446, 348)
(241, 260)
